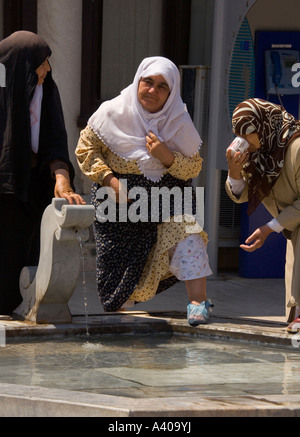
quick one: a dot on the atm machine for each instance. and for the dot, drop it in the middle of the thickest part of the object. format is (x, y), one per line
(277, 57)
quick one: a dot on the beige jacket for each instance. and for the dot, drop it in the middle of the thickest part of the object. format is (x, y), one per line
(283, 203)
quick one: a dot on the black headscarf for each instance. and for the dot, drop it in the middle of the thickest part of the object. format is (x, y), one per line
(21, 54)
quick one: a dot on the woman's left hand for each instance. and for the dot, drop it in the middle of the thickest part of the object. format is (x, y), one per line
(159, 150)
(257, 239)
(64, 190)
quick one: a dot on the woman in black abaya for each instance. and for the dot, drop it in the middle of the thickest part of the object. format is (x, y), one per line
(34, 159)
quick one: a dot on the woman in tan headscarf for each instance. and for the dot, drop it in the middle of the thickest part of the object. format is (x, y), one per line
(269, 173)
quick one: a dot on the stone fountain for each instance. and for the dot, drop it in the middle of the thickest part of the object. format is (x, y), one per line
(47, 288)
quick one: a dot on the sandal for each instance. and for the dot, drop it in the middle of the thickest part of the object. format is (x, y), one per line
(199, 314)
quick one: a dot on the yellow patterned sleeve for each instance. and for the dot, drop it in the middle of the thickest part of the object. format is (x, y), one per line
(186, 167)
(91, 153)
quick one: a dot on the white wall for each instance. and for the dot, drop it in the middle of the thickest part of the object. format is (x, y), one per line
(202, 14)
(59, 23)
(278, 15)
(131, 31)
(1, 19)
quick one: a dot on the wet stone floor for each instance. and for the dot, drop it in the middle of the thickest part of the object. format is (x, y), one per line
(147, 366)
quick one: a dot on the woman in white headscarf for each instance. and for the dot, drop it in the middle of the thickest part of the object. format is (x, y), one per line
(145, 138)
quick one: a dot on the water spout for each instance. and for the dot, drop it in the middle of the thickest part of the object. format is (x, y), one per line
(47, 288)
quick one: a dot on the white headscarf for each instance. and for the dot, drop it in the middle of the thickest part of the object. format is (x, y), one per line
(122, 123)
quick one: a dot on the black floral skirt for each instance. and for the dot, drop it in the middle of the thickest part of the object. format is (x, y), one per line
(123, 246)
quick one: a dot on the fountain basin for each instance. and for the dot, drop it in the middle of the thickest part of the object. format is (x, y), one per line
(137, 364)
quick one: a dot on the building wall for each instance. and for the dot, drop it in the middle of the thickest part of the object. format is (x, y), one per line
(201, 35)
(131, 32)
(279, 15)
(59, 23)
(1, 19)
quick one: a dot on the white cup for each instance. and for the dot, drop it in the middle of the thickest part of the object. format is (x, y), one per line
(238, 145)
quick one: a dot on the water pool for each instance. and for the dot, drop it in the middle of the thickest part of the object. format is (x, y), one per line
(147, 366)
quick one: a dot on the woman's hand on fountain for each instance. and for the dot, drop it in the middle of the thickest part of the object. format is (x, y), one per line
(64, 190)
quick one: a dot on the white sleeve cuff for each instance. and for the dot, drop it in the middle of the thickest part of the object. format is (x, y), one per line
(237, 185)
(275, 226)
